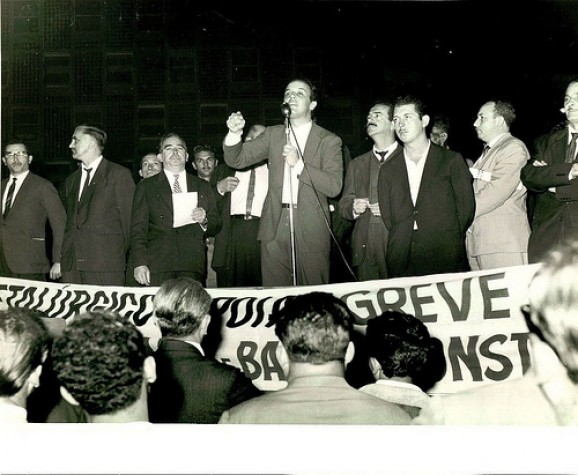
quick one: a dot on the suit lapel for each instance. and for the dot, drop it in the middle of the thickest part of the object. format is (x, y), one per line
(164, 192)
(24, 189)
(429, 170)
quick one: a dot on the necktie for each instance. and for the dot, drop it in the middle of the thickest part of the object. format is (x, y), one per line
(9, 196)
(86, 183)
(571, 149)
(381, 155)
(176, 186)
(250, 193)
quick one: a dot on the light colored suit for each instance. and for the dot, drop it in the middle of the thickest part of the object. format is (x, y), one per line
(321, 178)
(316, 400)
(517, 402)
(500, 226)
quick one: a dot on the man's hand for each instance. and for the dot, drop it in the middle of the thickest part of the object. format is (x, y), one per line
(539, 163)
(55, 273)
(236, 123)
(227, 185)
(574, 170)
(290, 154)
(374, 208)
(199, 215)
(360, 205)
(142, 275)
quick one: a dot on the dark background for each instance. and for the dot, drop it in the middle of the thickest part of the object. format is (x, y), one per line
(141, 67)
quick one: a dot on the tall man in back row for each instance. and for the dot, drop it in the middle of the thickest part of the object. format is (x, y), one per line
(304, 169)
(98, 200)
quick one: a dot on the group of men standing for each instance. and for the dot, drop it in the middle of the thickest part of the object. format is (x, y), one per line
(416, 206)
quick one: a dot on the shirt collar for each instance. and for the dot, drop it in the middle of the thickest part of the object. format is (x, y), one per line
(196, 345)
(494, 141)
(20, 177)
(94, 165)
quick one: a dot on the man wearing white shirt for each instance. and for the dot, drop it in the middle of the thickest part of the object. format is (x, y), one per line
(29, 202)
(305, 168)
(498, 237)
(551, 174)
(98, 200)
(241, 194)
(426, 199)
(172, 214)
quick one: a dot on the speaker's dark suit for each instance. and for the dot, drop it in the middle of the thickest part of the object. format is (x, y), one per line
(97, 234)
(154, 241)
(443, 212)
(323, 169)
(22, 233)
(192, 388)
(555, 217)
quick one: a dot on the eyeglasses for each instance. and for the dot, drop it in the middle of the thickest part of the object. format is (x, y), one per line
(16, 154)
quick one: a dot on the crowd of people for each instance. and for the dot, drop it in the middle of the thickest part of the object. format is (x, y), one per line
(100, 368)
(264, 218)
(267, 215)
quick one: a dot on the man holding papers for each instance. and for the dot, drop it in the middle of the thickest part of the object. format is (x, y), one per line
(172, 213)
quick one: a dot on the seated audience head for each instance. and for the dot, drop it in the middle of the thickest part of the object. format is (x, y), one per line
(182, 307)
(553, 309)
(315, 329)
(150, 165)
(400, 347)
(254, 132)
(204, 161)
(24, 344)
(102, 365)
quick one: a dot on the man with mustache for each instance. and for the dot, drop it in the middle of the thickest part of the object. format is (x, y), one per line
(551, 175)
(359, 200)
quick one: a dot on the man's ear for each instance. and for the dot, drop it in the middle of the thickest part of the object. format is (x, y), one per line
(204, 325)
(4, 161)
(34, 378)
(425, 120)
(67, 396)
(375, 367)
(140, 173)
(313, 105)
(150, 369)
(349, 353)
(30, 157)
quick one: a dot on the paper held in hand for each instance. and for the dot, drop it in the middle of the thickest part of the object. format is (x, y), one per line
(183, 206)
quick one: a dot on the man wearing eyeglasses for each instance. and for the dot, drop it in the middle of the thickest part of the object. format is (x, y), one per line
(28, 203)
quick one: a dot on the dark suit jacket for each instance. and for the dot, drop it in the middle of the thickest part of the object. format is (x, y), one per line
(23, 232)
(154, 241)
(192, 388)
(323, 160)
(555, 216)
(357, 181)
(97, 234)
(224, 205)
(443, 211)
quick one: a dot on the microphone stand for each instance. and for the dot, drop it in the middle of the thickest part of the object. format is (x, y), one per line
(291, 222)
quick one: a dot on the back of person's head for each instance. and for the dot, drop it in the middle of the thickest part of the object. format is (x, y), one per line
(181, 305)
(403, 347)
(553, 295)
(24, 344)
(314, 328)
(99, 360)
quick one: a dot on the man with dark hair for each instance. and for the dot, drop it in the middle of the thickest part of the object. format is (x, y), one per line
(359, 200)
(552, 174)
(440, 129)
(23, 348)
(305, 169)
(29, 202)
(102, 365)
(98, 200)
(204, 161)
(172, 214)
(191, 387)
(314, 330)
(150, 165)
(498, 236)
(426, 199)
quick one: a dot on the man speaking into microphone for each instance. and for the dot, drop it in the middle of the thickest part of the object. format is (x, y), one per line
(305, 168)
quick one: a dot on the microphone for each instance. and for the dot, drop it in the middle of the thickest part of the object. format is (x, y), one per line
(286, 110)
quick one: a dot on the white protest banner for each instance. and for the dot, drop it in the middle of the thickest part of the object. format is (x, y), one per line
(475, 314)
